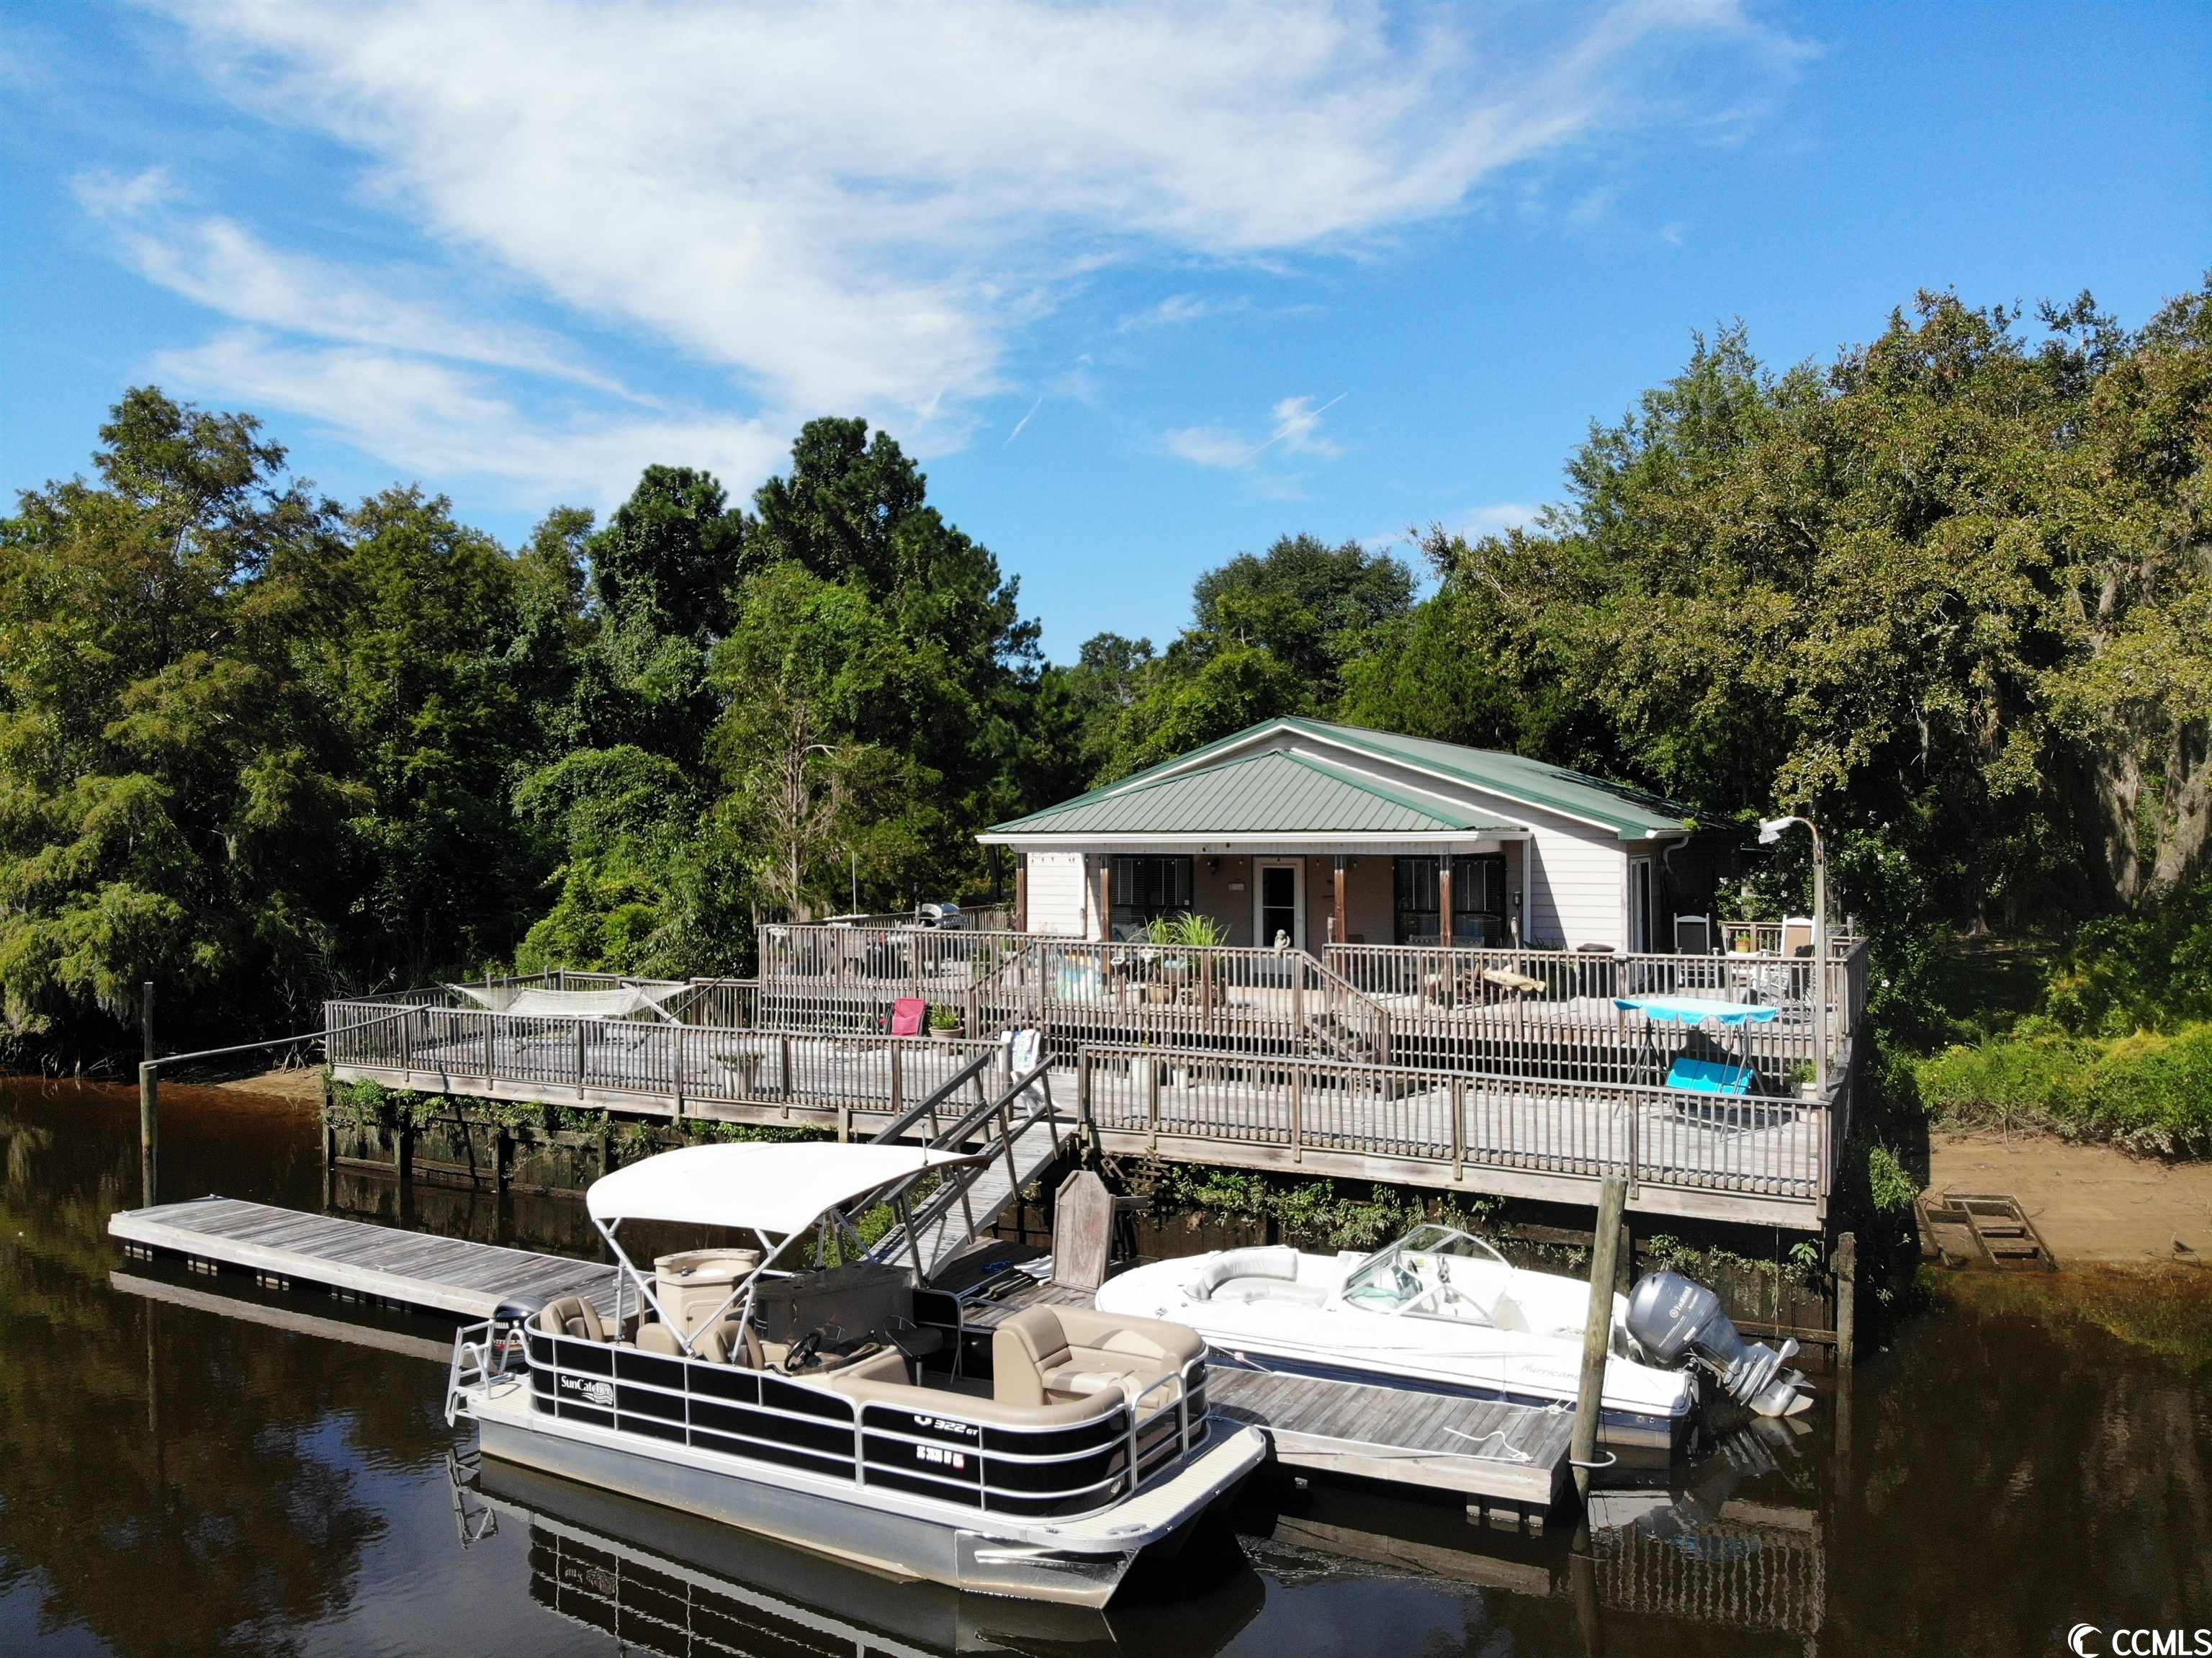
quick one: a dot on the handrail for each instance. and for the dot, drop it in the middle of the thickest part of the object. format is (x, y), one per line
(929, 1106)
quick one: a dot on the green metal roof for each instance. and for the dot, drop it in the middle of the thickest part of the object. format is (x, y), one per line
(1278, 792)
(1273, 793)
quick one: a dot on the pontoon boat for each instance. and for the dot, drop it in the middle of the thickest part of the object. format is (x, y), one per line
(793, 1398)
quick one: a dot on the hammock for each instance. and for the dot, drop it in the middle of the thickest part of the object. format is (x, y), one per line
(624, 1001)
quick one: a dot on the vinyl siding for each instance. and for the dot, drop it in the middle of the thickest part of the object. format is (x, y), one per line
(1056, 896)
(1575, 891)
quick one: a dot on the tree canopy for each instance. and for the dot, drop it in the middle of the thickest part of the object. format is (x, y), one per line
(1950, 592)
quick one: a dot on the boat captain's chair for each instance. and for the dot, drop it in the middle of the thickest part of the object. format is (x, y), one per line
(1058, 1354)
(572, 1315)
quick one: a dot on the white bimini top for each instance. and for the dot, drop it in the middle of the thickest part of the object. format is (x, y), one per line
(769, 1188)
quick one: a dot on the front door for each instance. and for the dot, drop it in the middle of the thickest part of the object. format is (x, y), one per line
(1279, 902)
(1640, 905)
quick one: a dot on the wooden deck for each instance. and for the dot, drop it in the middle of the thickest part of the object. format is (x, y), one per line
(409, 1269)
(1759, 1160)
(1510, 1453)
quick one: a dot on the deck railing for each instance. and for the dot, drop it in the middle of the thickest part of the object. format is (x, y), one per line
(1516, 1013)
(1652, 1136)
(1285, 1106)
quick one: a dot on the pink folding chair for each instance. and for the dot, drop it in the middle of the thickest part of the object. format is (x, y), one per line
(906, 1014)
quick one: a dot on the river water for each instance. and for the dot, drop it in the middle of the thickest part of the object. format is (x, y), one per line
(179, 1474)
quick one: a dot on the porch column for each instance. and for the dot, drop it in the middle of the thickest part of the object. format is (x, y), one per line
(1101, 890)
(1021, 892)
(1443, 897)
(1337, 934)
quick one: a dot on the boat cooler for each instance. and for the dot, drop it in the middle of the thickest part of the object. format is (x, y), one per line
(693, 1286)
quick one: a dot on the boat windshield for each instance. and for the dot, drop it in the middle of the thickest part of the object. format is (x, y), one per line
(1403, 1275)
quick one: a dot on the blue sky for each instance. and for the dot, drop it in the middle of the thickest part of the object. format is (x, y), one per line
(1143, 286)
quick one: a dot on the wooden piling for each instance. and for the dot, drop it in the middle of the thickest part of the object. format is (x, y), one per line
(1847, 1275)
(1597, 1328)
(149, 1098)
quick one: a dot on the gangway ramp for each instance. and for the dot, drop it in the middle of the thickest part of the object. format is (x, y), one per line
(1023, 1129)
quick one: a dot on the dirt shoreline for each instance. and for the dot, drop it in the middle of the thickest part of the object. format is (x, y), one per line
(2092, 1204)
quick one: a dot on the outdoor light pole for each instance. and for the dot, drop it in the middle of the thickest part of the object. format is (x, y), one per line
(1770, 831)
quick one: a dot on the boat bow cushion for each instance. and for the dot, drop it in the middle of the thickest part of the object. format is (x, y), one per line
(1278, 1261)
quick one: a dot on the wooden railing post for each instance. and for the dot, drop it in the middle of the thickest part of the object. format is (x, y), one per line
(1297, 1113)
(580, 1056)
(1459, 1128)
(1152, 1100)
(898, 1079)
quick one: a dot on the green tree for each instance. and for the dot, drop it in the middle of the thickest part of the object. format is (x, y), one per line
(1270, 635)
(163, 810)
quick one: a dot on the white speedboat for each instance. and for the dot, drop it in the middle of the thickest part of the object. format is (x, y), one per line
(1441, 1311)
(797, 1401)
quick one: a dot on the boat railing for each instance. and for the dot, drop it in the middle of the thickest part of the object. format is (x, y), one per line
(926, 1446)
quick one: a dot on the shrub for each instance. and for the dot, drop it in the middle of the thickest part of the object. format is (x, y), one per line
(2152, 1092)
(2147, 1091)
(2008, 1082)
(1889, 1187)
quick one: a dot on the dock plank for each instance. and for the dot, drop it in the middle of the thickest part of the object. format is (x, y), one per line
(446, 1275)
(1479, 1448)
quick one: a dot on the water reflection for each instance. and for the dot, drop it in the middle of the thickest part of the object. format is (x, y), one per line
(193, 1464)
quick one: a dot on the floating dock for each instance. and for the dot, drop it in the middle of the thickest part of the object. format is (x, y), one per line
(354, 1257)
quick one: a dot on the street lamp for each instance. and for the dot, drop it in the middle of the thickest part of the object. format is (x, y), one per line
(1770, 831)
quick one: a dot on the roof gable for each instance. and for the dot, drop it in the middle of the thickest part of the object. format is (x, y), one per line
(1293, 796)
(1273, 792)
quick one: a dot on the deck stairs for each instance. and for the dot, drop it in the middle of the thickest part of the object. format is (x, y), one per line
(1023, 1129)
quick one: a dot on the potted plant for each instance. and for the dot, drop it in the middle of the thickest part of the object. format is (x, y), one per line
(943, 1020)
(1801, 1074)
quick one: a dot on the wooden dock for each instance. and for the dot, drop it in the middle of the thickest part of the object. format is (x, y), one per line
(1507, 1454)
(353, 1257)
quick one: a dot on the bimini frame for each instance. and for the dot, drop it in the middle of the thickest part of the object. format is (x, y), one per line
(895, 1191)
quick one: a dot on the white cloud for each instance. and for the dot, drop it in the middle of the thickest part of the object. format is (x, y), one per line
(1498, 517)
(1176, 310)
(1209, 446)
(1294, 429)
(218, 263)
(858, 207)
(1592, 207)
(441, 422)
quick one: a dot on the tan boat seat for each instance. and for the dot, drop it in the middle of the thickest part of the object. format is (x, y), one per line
(726, 1343)
(1059, 1354)
(572, 1315)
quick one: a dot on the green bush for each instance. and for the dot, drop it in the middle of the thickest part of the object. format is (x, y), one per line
(2147, 1091)
(2153, 1093)
(1890, 1188)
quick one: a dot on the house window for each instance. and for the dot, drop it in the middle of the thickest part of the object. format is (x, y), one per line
(1478, 900)
(1146, 888)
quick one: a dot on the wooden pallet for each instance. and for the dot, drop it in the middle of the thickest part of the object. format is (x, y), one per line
(1981, 1229)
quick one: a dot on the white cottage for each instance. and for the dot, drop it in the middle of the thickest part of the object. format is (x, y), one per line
(1331, 833)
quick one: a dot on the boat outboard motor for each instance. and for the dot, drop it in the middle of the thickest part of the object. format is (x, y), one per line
(1677, 1322)
(509, 1320)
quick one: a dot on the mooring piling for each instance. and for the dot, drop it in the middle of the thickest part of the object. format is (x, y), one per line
(1597, 1329)
(149, 1096)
